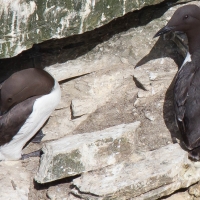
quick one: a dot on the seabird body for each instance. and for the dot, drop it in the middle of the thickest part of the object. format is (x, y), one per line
(187, 83)
(22, 121)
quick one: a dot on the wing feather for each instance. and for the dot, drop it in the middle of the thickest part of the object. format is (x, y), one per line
(183, 81)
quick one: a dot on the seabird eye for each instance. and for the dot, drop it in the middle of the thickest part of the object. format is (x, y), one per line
(9, 100)
(186, 16)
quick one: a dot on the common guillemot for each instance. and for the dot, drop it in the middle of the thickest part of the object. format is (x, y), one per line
(28, 97)
(187, 83)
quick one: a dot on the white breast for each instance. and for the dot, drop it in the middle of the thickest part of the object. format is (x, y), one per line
(187, 59)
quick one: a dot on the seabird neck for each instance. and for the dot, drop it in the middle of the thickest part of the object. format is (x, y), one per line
(194, 40)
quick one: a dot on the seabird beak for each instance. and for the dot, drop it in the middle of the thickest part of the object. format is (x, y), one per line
(164, 30)
(2, 112)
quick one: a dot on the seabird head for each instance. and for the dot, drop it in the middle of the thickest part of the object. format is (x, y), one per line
(23, 85)
(185, 19)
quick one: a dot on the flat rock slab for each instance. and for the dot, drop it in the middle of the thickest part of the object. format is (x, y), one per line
(80, 153)
(161, 173)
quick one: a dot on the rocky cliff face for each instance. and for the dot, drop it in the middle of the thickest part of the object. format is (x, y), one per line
(112, 135)
(24, 23)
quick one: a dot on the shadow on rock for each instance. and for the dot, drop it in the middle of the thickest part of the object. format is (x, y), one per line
(168, 113)
(45, 186)
(162, 48)
(166, 48)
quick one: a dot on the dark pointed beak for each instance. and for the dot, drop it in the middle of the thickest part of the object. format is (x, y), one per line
(2, 111)
(164, 30)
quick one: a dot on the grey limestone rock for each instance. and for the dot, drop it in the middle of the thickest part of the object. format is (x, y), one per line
(159, 173)
(80, 153)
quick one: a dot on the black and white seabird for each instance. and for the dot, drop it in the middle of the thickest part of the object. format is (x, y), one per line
(187, 83)
(27, 99)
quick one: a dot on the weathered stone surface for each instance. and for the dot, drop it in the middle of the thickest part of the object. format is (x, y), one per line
(82, 66)
(73, 155)
(161, 173)
(60, 192)
(83, 106)
(15, 181)
(23, 23)
(195, 190)
(180, 196)
(61, 124)
(82, 96)
(99, 90)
